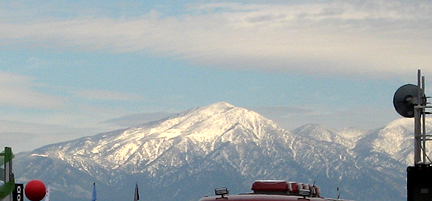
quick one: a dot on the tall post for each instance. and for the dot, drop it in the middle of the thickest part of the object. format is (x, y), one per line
(423, 117)
(417, 125)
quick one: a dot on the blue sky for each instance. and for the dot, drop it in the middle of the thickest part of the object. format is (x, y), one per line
(68, 68)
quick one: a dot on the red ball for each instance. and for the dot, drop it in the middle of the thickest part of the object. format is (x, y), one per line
(35, 190)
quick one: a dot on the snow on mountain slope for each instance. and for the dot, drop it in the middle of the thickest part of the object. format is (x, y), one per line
(397, 140)
(198, 131)
(219, 144)
(347, 137)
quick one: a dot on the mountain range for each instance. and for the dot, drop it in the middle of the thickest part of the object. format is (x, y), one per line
(187, 155)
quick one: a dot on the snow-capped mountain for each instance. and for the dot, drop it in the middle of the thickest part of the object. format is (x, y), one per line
(186, 156)
(396, 140)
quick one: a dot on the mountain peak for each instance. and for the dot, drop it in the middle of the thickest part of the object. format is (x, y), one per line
(214, 119)
(215, 108)
(201, 128)
(221, 105)
(209, 146)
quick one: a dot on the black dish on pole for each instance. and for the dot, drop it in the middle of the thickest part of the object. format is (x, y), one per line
(405, 98)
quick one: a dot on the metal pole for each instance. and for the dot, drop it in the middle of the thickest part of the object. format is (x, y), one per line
(417, 126)
(423, 114)
(417, 136)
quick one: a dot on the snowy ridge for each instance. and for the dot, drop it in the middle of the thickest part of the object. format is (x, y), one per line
(397, 138)
(220, 144)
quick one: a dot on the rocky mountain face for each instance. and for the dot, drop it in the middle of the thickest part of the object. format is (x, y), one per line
(186, 156)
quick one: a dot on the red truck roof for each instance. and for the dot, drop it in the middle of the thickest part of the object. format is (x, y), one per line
(272, 190)
(261, 197)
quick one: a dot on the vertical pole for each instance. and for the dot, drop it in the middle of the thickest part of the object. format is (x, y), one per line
(417, 125)
(423, 115)
(417, 136)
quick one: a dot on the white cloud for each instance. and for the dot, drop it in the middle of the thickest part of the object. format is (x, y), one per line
(26, 136)
(94, 94)
(137, 119)
(20, 92)
(336, 118)
(373, 38)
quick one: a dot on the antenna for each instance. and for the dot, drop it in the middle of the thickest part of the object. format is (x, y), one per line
(410, 101)
(405, 99)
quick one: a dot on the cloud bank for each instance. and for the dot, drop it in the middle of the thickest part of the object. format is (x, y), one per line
(372, 38)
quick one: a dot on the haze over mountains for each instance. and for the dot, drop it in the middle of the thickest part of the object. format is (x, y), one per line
(186, 156)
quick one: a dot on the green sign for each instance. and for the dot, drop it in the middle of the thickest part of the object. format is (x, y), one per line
(8, 187)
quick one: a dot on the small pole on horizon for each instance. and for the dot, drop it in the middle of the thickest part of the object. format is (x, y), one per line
(94, 192)
(136, 194)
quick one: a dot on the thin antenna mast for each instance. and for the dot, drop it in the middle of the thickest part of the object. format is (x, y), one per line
(423, 116)
(417, 123)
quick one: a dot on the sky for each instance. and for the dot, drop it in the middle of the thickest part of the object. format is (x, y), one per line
(70, 69)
